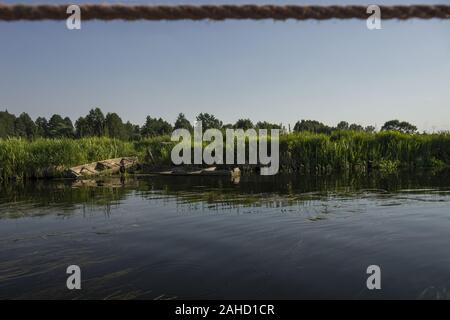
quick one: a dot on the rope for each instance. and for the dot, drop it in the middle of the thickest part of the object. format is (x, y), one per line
(12, 12)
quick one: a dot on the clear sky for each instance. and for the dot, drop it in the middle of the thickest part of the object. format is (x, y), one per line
(264, 70)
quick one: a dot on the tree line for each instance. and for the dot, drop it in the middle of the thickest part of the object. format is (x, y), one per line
(95, 123)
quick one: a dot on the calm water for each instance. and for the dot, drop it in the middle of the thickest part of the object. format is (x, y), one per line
(207, 237)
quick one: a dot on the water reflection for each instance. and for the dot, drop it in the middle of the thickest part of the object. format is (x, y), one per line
(275, 191)
(208, 237)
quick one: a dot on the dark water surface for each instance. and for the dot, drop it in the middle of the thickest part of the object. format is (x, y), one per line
(207, 237)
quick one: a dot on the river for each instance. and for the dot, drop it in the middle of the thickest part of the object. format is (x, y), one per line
(280, 237)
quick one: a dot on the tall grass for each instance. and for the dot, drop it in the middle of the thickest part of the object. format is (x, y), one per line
(299, 152)
(154, 150)
(344, 151)
(46, 157)
(361, 151)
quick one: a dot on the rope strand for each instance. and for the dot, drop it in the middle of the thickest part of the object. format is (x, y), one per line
(14, 12)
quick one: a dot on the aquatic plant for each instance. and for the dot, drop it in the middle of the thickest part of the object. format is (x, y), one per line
(363, 151)
(20, 158)
(303, 152)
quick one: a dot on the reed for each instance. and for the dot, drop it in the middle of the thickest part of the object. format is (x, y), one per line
(304, 152)
(21, 158)
(361, 151)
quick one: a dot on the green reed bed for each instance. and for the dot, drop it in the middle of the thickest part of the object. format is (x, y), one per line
(304, 152)
(360, 151)
(46, 157)
(386, 151)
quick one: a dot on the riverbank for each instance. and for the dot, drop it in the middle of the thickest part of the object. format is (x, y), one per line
(305, 153)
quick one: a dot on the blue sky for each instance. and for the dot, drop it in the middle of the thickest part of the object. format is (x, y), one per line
(263, 70)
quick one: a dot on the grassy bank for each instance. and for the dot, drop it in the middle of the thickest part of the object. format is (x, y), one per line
(361, 151)
(301, 152)
(43, 157)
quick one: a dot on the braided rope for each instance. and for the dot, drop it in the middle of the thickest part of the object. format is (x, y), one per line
(15, 12)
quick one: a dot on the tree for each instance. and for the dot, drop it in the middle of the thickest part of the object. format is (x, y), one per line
(59, 127)
(114, 126)
(243, 124)
(267, 125)
(312, 126)
(82, 128)
(227, 126)
(133, 132)
(24, 127)
(369, 129)
(209, 121)
(182, 123)
(95, 121)
(343, 125)
(41, 127)
(7, 121)
(68, 130)
(55, 124)
(355, 127)
(156, 127)
(396, 125)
